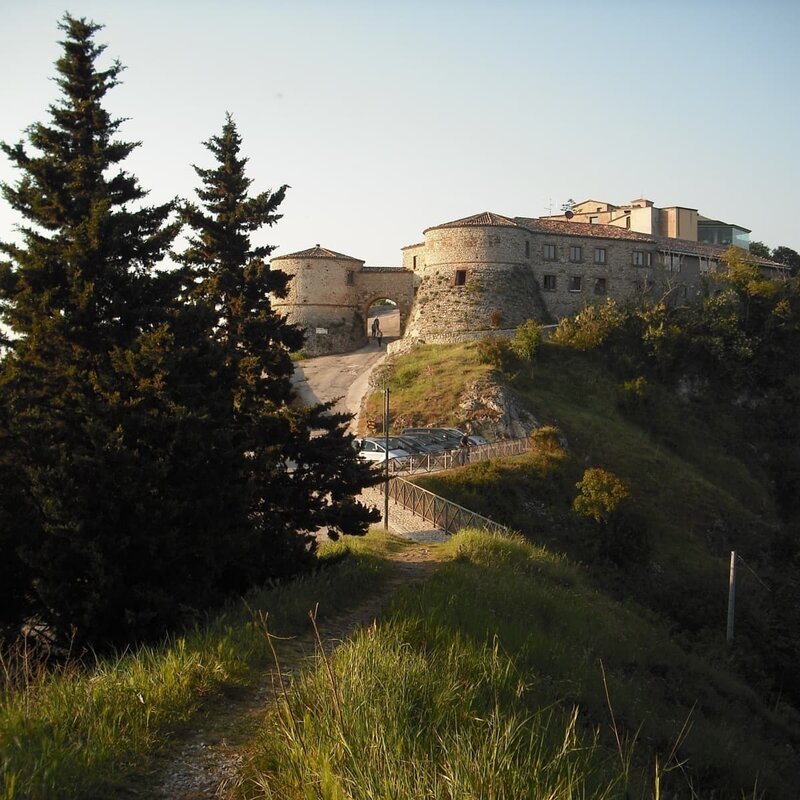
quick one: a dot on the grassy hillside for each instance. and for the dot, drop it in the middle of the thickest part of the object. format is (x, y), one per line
(697, 492)
(507, 675)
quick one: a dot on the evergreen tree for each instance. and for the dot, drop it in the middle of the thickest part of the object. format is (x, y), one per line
(85, 407)
(298, 469)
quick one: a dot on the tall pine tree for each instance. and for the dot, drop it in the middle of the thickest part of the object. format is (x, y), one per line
(88, 419)
(298, 468)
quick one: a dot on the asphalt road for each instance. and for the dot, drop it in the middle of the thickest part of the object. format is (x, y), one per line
(343, 377)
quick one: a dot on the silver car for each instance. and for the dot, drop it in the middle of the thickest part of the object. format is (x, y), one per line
(374, 448)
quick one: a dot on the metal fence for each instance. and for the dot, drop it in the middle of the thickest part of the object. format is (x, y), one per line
(433, 462)
(440, 513)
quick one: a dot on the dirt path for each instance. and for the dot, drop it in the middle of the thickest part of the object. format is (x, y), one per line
(205, 763)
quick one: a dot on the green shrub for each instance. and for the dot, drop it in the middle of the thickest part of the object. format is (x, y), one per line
(527, 339)
(600, 493)
(589, 328)
(498, 352)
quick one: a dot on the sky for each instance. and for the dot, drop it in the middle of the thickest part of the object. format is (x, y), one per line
(386, 117)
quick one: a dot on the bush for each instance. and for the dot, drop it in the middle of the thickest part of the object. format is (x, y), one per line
(527, 340)
(589, 328)
(498, 352)
(601, 492)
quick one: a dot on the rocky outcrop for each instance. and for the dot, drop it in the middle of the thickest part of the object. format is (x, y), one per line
(495, 411)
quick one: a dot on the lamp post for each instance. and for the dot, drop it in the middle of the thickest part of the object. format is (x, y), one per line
(386, 458)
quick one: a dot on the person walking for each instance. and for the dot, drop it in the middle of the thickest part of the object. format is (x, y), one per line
(463, 450)
(377, 333)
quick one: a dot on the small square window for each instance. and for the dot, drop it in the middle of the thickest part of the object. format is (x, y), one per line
(593, 220)
(600, 286)
(549, 283)
(641, 259)
(575, 254)
(575, 283)
(599, 255)
(549, 252)
(461, 277)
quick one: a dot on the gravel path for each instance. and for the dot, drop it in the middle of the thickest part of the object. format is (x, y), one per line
(205, 763)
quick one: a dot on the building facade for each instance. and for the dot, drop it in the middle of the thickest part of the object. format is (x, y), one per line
(491, 272)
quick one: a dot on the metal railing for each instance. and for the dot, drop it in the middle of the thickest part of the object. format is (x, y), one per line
(433, 462)
(440, 513)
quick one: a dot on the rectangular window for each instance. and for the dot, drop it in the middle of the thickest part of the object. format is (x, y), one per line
(461, 277)
(414, 265)
(527, 249)
(593, 220)
(575, 254)
(600, 286)
(575, 283)
(549, 252)
(549, 283)
(599, 255)
(351, 278)
(641, 259)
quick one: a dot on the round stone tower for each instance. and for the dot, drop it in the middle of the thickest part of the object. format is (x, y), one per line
(475, 274)
(322, 299)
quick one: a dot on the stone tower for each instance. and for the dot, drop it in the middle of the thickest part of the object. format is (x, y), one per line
(475, 274)
(321, 299)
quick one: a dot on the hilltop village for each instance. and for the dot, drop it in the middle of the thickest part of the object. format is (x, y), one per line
(489, 271)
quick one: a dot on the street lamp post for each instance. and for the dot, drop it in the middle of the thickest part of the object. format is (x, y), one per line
(386, 459)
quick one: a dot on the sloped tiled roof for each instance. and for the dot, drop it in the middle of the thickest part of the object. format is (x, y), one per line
(318, 252)
(564, 228)
(485, 218)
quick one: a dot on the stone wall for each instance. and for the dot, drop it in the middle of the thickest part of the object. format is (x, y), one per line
(570, 285)
(475, 278)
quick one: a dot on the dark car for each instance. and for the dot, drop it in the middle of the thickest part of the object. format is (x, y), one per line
(447, 435)
(433, 444)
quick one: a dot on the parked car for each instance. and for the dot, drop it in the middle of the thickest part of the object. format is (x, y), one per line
(374, 448)
(416, 446)
(447, 434)
(433, 444)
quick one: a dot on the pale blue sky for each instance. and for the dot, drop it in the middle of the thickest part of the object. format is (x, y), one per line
(389, 117)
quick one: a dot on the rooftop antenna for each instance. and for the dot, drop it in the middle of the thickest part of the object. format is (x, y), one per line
(550, 207)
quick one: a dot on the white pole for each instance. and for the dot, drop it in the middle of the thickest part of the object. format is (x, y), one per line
(731, 595)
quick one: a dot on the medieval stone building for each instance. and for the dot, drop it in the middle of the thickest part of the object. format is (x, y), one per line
(490, 272)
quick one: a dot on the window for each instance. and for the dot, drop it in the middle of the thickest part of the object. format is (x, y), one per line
(575, 283)
(549, 283)
(414, 264)
(527, 249)
(549, 252)
(641, 259)
(600, 286)
(575, 254)
(351, 279)
(461, 277)
(599, 255)
(593, 220)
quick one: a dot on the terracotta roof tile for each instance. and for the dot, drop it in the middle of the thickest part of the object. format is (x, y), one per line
(485, 218)
(564, 228)
(318, 252)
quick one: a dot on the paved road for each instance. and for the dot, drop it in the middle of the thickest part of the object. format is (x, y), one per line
(344, 376)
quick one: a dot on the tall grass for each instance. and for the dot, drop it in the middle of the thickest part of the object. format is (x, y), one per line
(446, 719)
(470, 690)
(76, 731)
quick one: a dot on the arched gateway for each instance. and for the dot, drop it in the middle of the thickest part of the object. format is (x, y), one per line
(330, 294)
